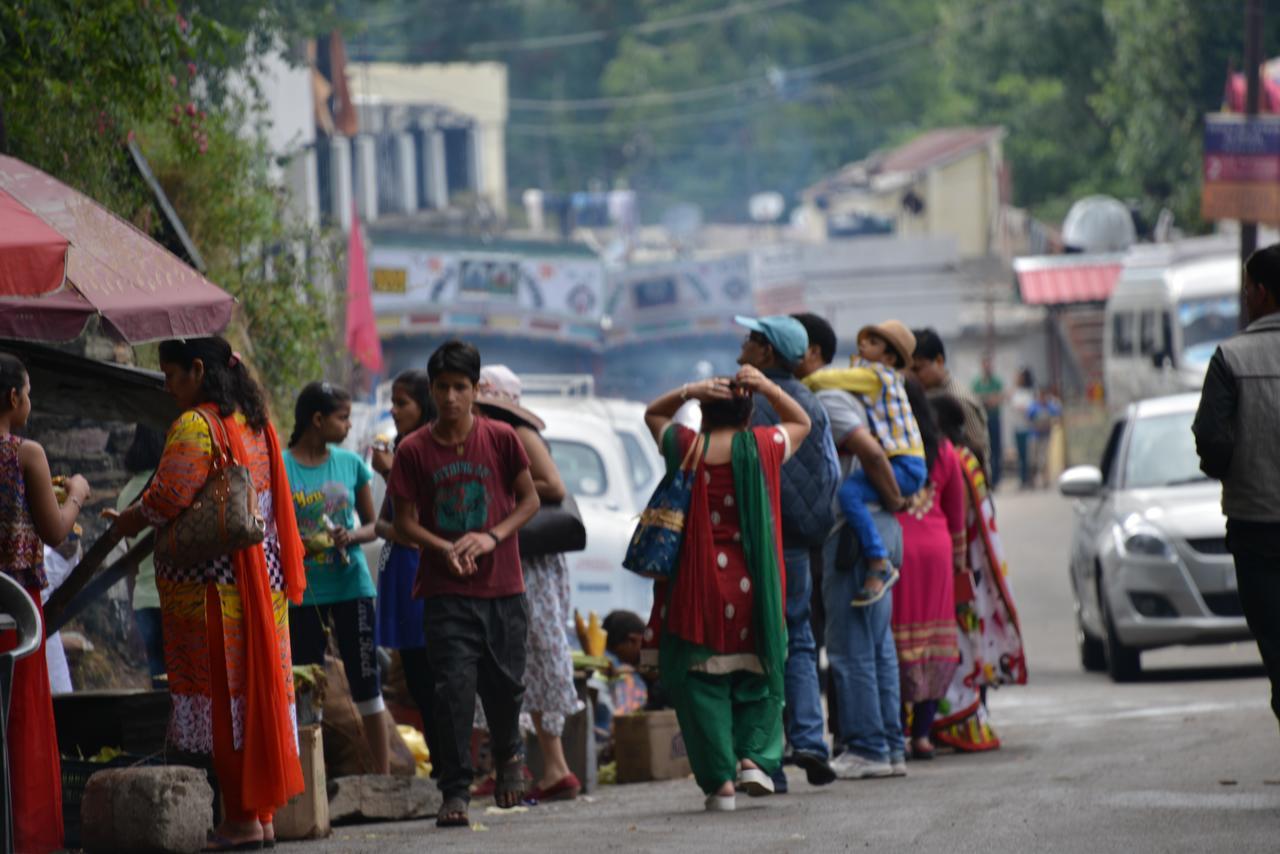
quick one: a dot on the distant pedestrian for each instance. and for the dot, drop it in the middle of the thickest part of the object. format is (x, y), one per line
(461, 489)
(773, 346)
(863, 695)
(333, 502)
(1235, 431)
(400, 621)
(30, 518)
(1044, 413)
(1021, 400)
(226, 623)
(990, 391)
(930, 367)
(719, 625)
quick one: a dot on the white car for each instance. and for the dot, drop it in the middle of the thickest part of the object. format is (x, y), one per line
(1149, 561)
(593, 465)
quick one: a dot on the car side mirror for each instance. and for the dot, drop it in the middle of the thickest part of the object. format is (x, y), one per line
(1081, 482)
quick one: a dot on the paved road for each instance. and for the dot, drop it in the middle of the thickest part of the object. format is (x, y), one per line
(1185, 760)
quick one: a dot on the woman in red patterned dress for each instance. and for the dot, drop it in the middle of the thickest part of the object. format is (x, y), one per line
(719, 624)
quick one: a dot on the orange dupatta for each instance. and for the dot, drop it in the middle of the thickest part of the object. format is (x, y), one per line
(275, 774)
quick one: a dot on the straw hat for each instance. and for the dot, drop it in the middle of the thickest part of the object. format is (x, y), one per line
(897, 335)
(500, 391)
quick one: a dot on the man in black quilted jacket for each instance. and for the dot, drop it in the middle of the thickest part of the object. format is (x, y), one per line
(809, 479)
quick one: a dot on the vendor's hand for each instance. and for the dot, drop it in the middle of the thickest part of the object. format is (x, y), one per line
(380, 461)
(473, 545)
(341, 537)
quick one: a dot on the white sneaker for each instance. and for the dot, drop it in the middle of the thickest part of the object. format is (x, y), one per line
(851, 766)
(898, 765)
(721, 803)
(754, 782)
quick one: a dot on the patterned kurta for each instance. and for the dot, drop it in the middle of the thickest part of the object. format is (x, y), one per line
(21, 551)
(184, 593)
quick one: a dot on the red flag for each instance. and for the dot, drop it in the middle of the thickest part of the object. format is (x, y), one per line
(362, 330)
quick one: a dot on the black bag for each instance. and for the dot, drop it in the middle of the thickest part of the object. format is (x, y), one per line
(555, 528)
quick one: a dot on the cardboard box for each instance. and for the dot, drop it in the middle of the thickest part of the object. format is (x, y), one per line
(649, 746)
(306, 816)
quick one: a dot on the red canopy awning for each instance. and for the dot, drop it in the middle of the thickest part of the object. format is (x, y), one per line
(1067, 279)
(105, 267)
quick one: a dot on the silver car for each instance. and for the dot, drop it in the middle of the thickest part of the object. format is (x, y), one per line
(1149, 563)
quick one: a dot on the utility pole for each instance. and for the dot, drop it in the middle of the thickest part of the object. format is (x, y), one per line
(1252, 71)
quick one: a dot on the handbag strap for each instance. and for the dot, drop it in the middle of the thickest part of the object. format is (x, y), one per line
(688, 455)
(218, 438)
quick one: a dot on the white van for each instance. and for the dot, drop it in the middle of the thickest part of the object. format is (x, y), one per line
(1173, 305)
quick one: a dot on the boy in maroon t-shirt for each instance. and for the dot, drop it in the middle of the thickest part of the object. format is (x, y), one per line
(461, 490)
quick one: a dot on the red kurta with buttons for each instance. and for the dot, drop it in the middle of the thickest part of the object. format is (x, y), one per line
(726, 627)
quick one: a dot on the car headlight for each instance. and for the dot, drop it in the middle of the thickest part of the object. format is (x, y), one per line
(1140, 538)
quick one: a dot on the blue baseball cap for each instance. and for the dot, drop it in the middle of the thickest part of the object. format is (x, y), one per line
(786, 334)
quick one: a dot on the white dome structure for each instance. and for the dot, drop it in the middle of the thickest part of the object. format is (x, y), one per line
(1098, 224)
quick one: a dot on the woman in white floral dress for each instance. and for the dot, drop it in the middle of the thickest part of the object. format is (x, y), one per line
(549, 694)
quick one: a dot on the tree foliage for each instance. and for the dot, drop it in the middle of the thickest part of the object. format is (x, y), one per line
(1097, 95)
(78, 79)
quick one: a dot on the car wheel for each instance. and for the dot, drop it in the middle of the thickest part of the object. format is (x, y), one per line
(1093, 653)
(1124, 663)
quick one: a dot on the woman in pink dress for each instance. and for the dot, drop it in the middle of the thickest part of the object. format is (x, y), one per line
(933, 536)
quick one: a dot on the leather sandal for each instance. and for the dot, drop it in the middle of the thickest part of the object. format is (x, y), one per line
(453, 813)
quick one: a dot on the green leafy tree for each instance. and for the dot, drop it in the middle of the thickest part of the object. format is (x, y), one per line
(78, 80)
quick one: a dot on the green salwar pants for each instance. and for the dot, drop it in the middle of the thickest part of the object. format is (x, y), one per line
(725, 719)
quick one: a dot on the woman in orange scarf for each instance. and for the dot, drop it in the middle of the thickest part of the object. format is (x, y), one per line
(226, 630)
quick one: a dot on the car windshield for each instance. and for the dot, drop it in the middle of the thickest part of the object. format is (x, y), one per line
(1162, 453)
(580, 467)
(1205, 323)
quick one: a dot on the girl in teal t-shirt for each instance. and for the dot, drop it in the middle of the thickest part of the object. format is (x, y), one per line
(334, 505)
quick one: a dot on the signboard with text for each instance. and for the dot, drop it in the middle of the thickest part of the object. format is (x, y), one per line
(1241, 168)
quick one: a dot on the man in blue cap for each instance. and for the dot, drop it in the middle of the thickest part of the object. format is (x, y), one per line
(809, 479)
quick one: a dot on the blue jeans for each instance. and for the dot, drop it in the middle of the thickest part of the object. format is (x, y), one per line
(149, 626)
(857, 492)
(860, 648)
(804, 699)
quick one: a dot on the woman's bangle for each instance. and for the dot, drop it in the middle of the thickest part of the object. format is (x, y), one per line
(76, 501)
(496, 541)
(684, 392)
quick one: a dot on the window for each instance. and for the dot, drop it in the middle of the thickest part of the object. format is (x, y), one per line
(1162, 452)
(641, 471)
(1147, 333)
(580, 467)
(1122, 334)
(1205, 323)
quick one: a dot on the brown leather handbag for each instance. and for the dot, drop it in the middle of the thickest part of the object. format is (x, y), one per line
(222, 519)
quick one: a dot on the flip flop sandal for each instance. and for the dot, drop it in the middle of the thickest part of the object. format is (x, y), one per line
(511, 784)
(453, 813)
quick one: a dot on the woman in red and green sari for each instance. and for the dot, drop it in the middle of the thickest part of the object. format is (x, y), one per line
(718, 627)
(991, 652)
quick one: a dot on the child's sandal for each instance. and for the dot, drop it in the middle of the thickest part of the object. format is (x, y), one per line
(865, 597)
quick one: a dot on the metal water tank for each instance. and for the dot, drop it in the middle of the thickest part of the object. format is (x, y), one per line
(1098, 224)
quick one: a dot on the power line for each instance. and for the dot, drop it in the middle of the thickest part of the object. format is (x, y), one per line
(648, 28)
(819, 69)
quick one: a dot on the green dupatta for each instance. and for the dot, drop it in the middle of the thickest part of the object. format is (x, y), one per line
(677, 655)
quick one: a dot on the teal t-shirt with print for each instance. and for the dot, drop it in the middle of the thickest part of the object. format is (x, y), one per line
(329, 489)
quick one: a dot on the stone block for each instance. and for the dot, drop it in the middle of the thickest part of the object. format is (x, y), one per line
(373, 797)
(165, 808)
